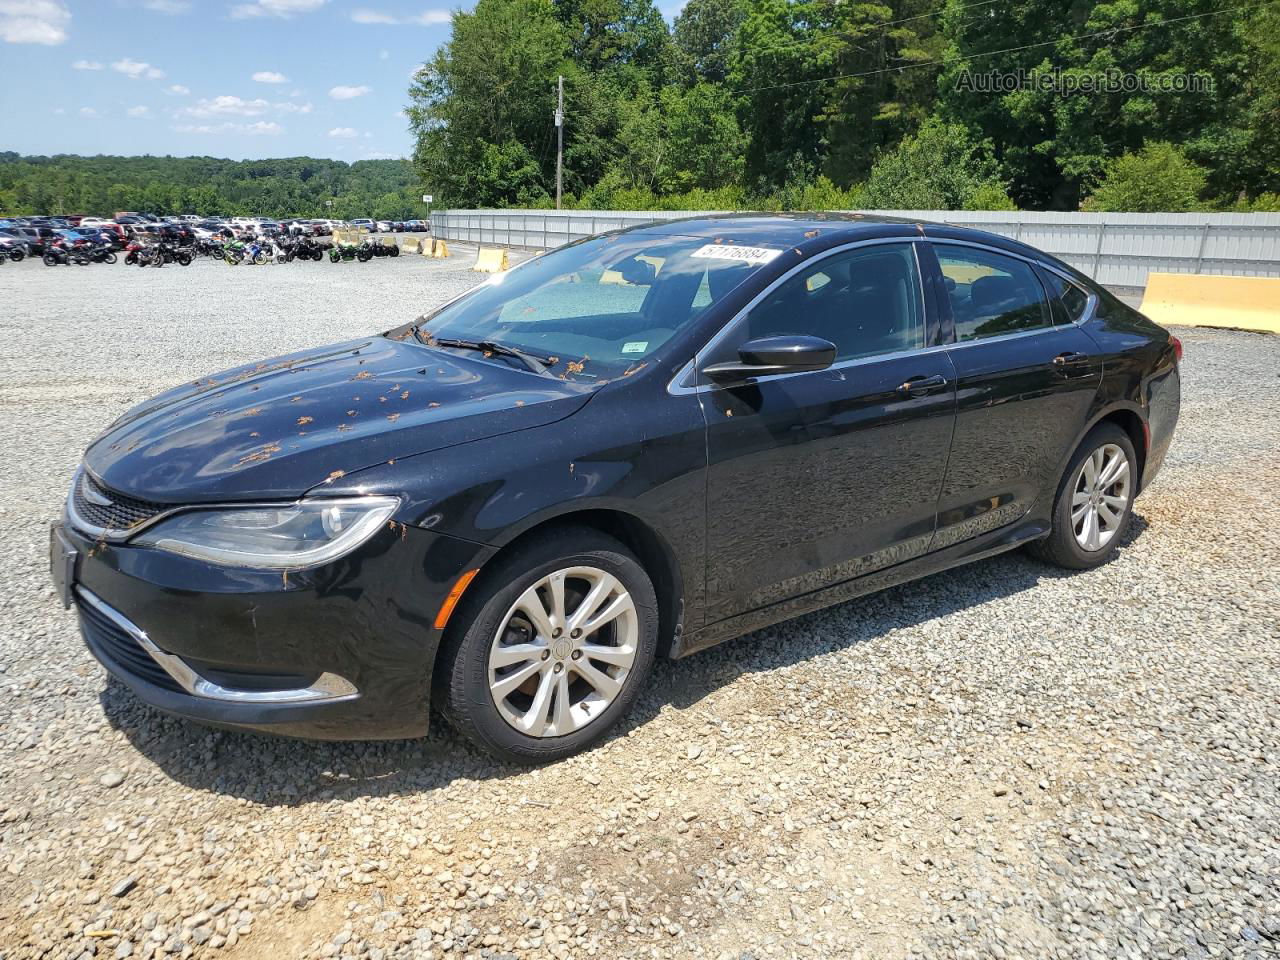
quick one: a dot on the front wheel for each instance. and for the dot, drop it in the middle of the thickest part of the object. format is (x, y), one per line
(364, 256)
(184, 259)
(551, 647)
(17, 255)
(109, 258)
(50, 260)
(1094, 503)
(394, 252)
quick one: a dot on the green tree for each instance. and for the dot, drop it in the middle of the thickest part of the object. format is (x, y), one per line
(705, 35)
(938, 168)
(481, 108)
(1159, 178)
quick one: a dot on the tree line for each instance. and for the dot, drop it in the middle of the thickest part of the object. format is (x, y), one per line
(290, 187)
(889, 104)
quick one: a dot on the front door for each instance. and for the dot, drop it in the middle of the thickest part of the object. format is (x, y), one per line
(819, 477)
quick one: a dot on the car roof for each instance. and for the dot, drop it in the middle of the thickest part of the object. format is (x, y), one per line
(814, 232)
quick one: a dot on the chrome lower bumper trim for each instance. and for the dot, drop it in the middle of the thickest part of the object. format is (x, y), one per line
(328, 686)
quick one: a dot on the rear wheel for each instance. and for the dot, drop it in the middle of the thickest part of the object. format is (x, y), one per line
(1094, 503)
(50, 260)
(394, 252)
(17, 254)
(552, 648)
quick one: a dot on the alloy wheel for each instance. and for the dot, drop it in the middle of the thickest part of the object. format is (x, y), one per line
(1100, 497)
(563, 652)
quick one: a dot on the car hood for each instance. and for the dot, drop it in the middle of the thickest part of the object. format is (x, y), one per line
(276, 429)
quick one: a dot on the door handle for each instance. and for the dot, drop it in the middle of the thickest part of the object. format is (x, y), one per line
(1070, 360)
(922, 386)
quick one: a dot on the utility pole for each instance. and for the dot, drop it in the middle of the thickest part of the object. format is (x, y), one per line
(559, 136)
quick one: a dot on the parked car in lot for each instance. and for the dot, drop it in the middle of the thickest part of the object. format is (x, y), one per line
(634, 446)
(364, 224)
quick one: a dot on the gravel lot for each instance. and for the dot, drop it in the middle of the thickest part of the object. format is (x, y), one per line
(1001, 761)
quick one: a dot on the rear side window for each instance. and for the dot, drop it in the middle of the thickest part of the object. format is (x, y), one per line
(866, 301)
(991, 294)
(1068, 299)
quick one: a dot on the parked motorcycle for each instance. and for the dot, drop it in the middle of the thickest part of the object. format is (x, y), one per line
(57, 253)
(94, 253)
(149, 255)
(346, 252)
(233, 252)
(307, 248)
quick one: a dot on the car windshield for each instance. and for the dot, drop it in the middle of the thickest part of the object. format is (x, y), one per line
(597, 308)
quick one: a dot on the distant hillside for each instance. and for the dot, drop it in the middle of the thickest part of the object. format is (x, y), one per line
(287, 187)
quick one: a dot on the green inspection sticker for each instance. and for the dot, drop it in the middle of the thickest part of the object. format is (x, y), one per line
(636, 346)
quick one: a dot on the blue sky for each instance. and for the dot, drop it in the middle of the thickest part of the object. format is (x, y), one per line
(226, 78)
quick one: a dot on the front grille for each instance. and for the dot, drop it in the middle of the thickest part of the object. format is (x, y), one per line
(118, 513)
(112, 641)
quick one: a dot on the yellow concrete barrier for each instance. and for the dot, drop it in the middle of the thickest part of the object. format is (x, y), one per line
(490, 260)
(439, 249)
(409, 245)
(427, 247)
(1198, 300)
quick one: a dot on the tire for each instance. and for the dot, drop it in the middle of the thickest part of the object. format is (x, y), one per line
(463, 670)
(109, 258)
(364, 256)
(259, 259)
(17, 255)
(394, 252)
(184, 259)
(50, 260)
(333, 257)
(1068, 542)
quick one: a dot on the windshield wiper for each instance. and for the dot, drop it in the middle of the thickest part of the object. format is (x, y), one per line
(531, 360)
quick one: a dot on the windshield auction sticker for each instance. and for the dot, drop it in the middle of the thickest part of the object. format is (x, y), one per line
(720, 251)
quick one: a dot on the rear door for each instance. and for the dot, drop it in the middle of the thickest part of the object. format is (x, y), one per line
(819, 477)
(1026, 377)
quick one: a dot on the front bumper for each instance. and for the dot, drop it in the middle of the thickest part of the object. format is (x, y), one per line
(341, 652)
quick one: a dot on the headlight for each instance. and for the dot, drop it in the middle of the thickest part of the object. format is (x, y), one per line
(286, 537)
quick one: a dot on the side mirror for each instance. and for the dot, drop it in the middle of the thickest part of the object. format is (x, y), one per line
(766, 356)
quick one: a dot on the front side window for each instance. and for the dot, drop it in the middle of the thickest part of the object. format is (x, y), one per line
(866, 301)
(991, 294)
(600, 306)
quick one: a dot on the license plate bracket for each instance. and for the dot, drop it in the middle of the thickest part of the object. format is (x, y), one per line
(62, 564)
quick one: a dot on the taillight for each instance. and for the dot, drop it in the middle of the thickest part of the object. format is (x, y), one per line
(1177, 348)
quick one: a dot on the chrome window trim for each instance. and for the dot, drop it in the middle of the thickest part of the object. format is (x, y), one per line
(678, 385)
(1084, 317)
(327, 687)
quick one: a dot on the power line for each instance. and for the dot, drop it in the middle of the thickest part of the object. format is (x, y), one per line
(994, 53)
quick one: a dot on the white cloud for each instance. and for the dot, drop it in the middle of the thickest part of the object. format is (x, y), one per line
(167, 6)
(139, 111)
(86, 65)
(348, 93)
(260, 128)
(231, 106)
(428, 18)
(274, 8)
(136, 69)
(34, 21)
(384, 54)
(343, 133)
(88, 112)
(270, 76)
(225, 106)
(378, 155)
(59, 110)
(178, 90)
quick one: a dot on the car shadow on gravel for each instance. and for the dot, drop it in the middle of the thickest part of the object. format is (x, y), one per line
(275, 771)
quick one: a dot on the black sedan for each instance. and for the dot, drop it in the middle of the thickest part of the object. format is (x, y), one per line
(635, 446)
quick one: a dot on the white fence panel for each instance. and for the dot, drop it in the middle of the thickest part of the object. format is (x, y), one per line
(1117, 249)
